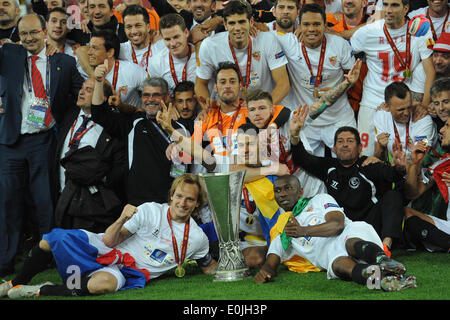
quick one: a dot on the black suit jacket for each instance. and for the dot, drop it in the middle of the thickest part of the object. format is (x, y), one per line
(111, 149)
(65, 82)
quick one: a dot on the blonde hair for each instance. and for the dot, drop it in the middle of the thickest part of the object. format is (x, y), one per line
(190, 178)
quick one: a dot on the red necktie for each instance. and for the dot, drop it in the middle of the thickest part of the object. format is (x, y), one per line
(39, 88)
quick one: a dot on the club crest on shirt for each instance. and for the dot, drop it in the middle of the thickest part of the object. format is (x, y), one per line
(123, 89)
(354, 182)
(256, 55)
(333, 60)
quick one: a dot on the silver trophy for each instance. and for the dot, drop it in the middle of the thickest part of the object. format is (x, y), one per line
(224, 192)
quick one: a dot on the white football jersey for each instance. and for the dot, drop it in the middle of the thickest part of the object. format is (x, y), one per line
(384, 67)
(126, 52)
(338, 57)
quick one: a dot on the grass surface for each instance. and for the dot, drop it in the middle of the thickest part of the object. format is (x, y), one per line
(432, 271)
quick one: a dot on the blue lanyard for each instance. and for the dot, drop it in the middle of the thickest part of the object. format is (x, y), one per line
(161, 132)
(47, 79)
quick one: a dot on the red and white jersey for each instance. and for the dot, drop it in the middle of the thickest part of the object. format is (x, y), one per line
(384, 66)
(142, 55)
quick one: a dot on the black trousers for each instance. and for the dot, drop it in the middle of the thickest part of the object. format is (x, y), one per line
(386, 216)
(25, 171)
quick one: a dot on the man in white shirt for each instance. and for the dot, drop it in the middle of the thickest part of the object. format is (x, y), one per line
(286, 16)
(142, 244)
(318, 230)
(316, 65)
(140, 46)
(57, 31)
(260, 60)
(125, 77)
(392, 54)
(396, 125)
(180, 62)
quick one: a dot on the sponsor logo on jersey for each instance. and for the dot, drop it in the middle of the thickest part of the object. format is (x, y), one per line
(354, 182)
(334, 184)
(419, 138)
(279, 55)
(330, 205)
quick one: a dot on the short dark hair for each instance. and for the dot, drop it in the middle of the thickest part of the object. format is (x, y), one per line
(395, 89)
(312, 7)
(184, 86)
(226, 65)
(41, 20)
(440, 85)
(135, 10)
(111, 40)
(352, 130)
(237, 7)
(110, 4)
(297, 3)
(170, 20)
(57, 9)
(258, 94)
(243, 128)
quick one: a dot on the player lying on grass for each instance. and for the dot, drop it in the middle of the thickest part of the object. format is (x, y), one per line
(318, 230)
(142, 244)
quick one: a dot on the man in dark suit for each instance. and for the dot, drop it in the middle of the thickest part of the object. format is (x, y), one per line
(91, 166)
(35, 91)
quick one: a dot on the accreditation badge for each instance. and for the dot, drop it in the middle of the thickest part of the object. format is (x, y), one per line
(37, 113)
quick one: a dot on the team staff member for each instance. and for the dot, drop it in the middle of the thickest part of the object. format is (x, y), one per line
(357, 188)
(35, 94)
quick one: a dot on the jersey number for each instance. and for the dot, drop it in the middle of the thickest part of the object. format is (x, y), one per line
(384, 56)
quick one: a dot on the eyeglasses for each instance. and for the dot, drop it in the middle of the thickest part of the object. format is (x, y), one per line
(152, 95)
(32, 33)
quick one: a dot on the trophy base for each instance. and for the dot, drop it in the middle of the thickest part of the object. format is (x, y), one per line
(232, 275)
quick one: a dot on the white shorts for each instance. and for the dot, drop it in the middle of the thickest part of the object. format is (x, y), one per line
(441, 224)
(366, 128)
(355, 229)
(321, 136)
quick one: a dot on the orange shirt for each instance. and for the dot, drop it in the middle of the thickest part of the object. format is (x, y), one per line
(152, 15)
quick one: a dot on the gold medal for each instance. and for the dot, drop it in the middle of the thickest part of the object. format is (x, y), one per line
(179, 271)
(250, 220)
(244, 93)
(316, 94)
(407, 73)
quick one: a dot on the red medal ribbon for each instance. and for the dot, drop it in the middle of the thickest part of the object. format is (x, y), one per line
(172, 67)
(248, 204)
(249, 62)
(116, 74)
(433, 31)
(406, 64)
(233, 120)
(149, 53)
(321, 60)
(174, 240)
(397, 136)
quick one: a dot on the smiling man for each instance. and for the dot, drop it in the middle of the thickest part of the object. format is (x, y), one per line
(180, 63)
(379, 41)
(117, 260)
(260, 60)
(140, 46)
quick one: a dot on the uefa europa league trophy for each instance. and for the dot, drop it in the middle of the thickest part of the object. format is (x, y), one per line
(224, 192)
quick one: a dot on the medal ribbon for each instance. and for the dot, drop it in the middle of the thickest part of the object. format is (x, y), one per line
(174, 240)
(321, 60)
(249, 62)
(404, 63)
(149, 52)
(397, 136)
(248, 205)
(433, 31)
(116, 74)
(172, 67)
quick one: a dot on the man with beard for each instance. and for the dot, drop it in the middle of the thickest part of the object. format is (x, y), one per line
(441, 56)
(140, 46)
(440, 103)
(427, 181)
(286, 15)
(352, 17)
(9, 14)
(149, 177)
(358, 189)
